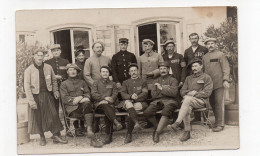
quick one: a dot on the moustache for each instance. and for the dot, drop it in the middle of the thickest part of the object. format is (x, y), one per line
(194, 70)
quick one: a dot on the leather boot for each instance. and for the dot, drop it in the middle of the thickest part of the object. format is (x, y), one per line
(108, 139)
(89, 120)
(185, 136)
(128, 138)
(95, 143)
(118, 125)
(42, 141)
(156, 137)
(218, 129)
(174, 126)
(57, 139)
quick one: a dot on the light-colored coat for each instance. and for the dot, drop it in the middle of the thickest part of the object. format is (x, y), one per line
(32, 82)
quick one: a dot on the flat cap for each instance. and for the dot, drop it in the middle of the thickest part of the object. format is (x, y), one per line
(210, 39)
(168, 42)
(165, 64)
(147, 40)
(108, 68)
(73, 65)
(132, 65)
(55, 46)
(79, 51)
(123, 40)
(194, 60)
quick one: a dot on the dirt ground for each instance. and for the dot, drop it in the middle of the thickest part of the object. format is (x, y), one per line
(202, 138)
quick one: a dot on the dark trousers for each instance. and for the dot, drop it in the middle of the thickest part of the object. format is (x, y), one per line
(167, 110)
(110, 116)
(57, 104)
(217, 103)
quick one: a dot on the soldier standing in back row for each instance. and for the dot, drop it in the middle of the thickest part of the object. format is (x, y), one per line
(119, 66)
(58, 65)
(217, 67)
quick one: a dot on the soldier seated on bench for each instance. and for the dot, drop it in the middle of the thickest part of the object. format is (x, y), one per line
(76, 98)
(196, 91)
(164, 96)
(134, 92)
(104, 93)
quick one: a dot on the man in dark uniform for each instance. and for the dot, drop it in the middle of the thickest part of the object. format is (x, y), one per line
(134, 93)
(198, 51)
(104, 93)
(119, 65)
(58, 65)
(164, 96)
(217, 66)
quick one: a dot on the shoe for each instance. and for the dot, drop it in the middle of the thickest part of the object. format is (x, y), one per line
(218, 129)
(57, 139)
(128, 138)
(137, 127)
(156, 137)
(118, 126)
(42, 141)
(185, 136)
(69, 134)
(108, 139)
(174, 126)
(95, 143)
(79, 133)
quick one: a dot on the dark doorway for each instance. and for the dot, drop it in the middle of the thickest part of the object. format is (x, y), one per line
(148, 31)
(63, 38)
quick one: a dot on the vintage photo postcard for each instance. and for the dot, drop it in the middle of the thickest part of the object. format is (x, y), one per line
(127, 80)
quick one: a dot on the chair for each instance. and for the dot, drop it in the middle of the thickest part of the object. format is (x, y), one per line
(71, 120)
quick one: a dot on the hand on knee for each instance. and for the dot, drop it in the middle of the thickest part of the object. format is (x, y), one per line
(128, 104)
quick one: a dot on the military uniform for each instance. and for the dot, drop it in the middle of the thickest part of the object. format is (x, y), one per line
(59, 67)
(217, 67)
(105, 88)
(81, 66)
(119, 65)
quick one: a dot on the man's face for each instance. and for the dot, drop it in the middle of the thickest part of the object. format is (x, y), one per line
(56, 52)
(98, 49)
(170, 48)
(72, 72)
(163, 70)
(194, 40)
(196, 67)
(80, 57)
(211, 45)
(133, 72)
(38, 57)
(104, 73)
(147, 47)
(123, 46)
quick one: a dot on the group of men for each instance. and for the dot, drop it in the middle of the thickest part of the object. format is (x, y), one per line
(169, 82)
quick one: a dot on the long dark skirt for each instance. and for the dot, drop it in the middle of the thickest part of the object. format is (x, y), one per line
(45, 117)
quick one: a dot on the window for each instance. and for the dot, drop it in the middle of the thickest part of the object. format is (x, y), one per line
(159, 32)
(71, 39)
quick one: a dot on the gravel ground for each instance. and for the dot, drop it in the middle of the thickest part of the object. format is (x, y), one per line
(202, 138)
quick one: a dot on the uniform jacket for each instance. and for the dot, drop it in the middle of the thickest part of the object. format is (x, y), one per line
(200, 82)
(189, 55)
(81, 66)
(71, 88)
(169, 91)
(103, 88)
(137, 86)
(177, 64)
(119, 65)
(59, 67)
(92, 68)
(150, 64)
(32, 83)
(217, 67)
